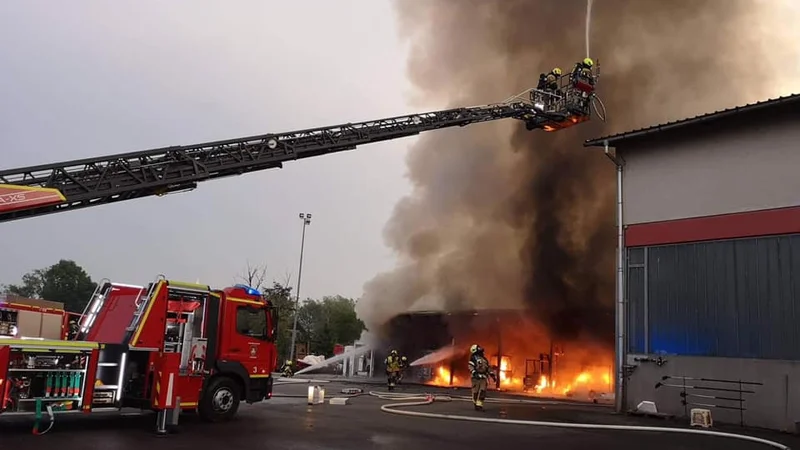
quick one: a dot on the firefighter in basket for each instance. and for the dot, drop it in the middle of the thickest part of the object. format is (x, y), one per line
(480, 371)
(287, 369)
(583, 69)
(582, 80)
(547, 89)
(393, 367)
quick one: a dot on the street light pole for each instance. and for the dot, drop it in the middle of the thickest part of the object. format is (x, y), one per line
(306, 218)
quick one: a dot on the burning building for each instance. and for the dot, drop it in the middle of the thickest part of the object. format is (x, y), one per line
(524, 356)
(502, 219)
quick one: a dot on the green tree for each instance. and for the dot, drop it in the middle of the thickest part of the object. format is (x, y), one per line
(328, 322)
(65, 282)
(31, 286)
(280, 295)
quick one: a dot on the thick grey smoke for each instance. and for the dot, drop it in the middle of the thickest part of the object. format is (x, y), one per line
(503, 217)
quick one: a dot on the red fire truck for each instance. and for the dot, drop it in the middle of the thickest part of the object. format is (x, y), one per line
(184, 346)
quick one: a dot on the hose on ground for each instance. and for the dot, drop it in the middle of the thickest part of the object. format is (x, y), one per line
(283, 380)
(409, 400)
(395, 396)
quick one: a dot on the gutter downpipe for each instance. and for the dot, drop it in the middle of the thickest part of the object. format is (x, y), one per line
(619, 386)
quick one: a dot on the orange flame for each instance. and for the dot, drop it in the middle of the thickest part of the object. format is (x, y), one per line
(441, 377)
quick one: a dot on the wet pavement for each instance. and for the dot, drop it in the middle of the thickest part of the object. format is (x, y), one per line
(287, 422)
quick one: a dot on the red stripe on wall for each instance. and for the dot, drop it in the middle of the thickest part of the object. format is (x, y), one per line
(727, 226)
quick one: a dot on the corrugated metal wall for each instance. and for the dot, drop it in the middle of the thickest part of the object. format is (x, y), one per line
(735, 298)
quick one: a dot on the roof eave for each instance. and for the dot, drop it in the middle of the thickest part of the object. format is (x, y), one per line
(610, 139)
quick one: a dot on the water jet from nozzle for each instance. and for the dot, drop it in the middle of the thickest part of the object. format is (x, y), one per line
(440, 355)
(588, 23)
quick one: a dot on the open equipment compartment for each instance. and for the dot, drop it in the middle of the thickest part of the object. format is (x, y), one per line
(54, 375)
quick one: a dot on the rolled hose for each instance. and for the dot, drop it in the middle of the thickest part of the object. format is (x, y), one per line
(427, 399)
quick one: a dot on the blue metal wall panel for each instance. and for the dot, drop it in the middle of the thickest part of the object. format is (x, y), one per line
(635, 306)
(735, 298)
(635, 300)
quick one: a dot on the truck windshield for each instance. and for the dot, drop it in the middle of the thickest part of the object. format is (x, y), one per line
(252, 322)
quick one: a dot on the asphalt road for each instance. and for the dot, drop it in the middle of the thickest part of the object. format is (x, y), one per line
(288, 423)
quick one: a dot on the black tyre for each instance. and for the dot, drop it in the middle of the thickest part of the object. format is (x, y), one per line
(220, 400)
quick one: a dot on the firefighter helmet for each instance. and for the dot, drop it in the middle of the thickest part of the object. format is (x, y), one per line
(588, 62)
(557, 71)
(394, 353)
(475, 349)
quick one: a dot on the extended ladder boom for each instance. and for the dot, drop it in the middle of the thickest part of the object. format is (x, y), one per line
(49, 188)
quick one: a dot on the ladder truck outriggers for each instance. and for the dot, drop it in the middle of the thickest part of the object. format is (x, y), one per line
(184, 346)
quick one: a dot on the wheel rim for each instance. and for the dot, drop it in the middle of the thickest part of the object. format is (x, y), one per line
(222, 400)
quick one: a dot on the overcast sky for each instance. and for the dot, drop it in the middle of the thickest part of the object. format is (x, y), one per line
(91, 78)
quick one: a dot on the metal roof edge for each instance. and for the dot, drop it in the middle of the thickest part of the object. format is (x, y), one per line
(601, 141)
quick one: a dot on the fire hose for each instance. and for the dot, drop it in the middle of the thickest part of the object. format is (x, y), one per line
(409, 400)
(298, 381)
(38, 418)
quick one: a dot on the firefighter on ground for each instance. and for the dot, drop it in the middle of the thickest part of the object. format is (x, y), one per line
(403, 367)
(287, 369)
(393, 367)
(480, 371)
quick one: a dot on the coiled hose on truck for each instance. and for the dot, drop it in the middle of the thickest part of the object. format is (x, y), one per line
(409, 400)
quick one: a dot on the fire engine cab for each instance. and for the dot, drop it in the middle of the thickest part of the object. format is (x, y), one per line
(167, 347)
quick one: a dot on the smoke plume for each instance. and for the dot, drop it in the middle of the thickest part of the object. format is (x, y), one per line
(503, 217)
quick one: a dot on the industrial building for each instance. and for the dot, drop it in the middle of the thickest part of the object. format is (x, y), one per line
(709, 312)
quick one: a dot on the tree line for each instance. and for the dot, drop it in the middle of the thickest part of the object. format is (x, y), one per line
(321, 323)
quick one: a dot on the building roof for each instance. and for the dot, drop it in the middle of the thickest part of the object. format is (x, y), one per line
(765, 104)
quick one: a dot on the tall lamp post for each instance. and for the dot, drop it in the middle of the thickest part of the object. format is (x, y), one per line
(306, 218)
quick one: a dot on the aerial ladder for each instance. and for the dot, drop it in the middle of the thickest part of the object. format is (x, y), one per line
(51, 188)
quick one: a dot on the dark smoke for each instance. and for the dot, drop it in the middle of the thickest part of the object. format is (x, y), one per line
(503, 217)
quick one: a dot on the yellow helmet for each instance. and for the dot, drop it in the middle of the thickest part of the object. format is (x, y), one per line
(557, 71)
(588, 62)
(475, 348)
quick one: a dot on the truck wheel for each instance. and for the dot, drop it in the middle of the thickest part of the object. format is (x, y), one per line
(220, 400)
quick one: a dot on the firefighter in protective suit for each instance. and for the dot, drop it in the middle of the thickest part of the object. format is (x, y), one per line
(583, 71)
(551, 80)
(403, 367)
(393, 366)
(72, 334)
(480, 371)
(287, 369)
(547, 89)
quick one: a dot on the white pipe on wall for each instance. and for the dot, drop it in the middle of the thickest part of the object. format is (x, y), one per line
(619, 386)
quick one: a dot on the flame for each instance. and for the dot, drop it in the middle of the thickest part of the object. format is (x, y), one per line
(596, 379)
(441, 377)
(565, 379)
(506, 372)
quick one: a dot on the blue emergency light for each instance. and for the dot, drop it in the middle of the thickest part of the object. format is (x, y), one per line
(249, 290)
